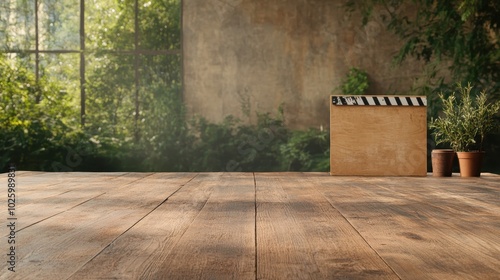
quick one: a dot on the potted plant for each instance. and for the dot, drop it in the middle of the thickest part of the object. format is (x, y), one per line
(464, 123)
(442, 162)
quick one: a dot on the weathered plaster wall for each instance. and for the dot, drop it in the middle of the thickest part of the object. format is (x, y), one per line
(262, 53)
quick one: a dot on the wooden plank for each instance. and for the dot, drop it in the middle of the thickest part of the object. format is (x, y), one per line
(141, 252)
(57, 247)
(424, 228)
(34, 205)
(53, 184)
(220, 242)
(204, 231)
(301, 236)
(378, 140)
(56, 184)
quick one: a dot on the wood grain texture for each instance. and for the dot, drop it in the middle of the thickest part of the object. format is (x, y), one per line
(220, 242)
(301, 236)
(204, 231)
(255, 226)
(378, 140)
(57, 247)
(429, 229)
(61, 192)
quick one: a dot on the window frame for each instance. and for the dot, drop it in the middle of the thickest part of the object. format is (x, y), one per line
(137, 52)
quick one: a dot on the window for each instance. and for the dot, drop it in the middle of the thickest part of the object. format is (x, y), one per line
(115, 58)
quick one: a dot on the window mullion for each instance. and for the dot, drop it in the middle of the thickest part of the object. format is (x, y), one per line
(37, 50)
(82, 62)
(136, 66)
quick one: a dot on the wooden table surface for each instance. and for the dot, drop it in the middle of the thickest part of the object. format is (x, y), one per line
(252, 226)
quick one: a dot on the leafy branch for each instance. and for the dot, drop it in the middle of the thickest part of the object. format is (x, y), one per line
(465, 121)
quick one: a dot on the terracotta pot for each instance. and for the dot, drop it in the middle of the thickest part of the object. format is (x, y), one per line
(470, 163)
(442, 162)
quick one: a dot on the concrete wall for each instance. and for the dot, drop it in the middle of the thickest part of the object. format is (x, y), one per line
(258, 54)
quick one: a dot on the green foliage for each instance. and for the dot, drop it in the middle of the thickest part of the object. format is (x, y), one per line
(166, 140)
(260, 144)
(215, 145)
(465, 121)
(230, 146)
(126, 90)
(266, 146)
(307, 151)
(355, 82)
(36, 117)
(460, 36)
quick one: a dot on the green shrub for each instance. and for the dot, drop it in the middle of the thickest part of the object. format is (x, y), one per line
(37, 118)
(355, 82)
(307, 151)
(230, 146)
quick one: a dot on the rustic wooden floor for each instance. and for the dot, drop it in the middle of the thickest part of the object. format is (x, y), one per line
(253, 226)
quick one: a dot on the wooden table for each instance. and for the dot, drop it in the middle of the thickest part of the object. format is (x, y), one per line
(252, 226)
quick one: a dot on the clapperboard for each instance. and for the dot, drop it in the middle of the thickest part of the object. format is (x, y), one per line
(379, 100)
(378, 135)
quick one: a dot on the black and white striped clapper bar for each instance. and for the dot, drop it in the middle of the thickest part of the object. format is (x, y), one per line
(379, 100)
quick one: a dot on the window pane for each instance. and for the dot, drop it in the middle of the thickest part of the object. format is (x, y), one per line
(17, 25)
(160, 93)
(109, 24)
(163, 70)
(110, 94)
(64, 70)
(59, 25)
(159, 24)
(26, 60)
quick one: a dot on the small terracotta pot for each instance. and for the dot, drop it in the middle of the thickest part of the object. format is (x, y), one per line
(470, 163)
(442, 162)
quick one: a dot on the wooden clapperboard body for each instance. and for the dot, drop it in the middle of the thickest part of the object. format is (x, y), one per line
(378, 135)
